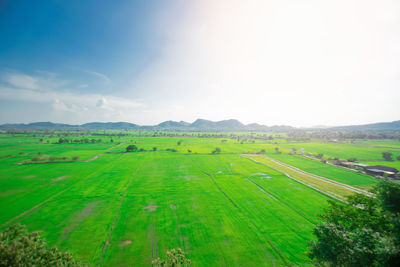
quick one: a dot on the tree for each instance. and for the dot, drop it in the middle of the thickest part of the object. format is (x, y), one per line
(154, 148)
(179, 143)
(366, 232)
(277, 150)
(387, 156)
(389, 194)
(217, 150)
(131, 148)
(398, 157)
(174, 258)
(18, 247)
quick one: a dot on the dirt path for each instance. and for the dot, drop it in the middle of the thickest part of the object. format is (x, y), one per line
(309, 175)
(70, 161)
(95, 157)
(101, 154)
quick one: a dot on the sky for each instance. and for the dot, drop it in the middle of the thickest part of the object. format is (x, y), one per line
(275, 62)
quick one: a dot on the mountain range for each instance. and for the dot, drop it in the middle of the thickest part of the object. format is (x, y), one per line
(197, 125)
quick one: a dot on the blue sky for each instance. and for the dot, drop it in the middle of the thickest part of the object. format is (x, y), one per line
(272, 62)
(87, 42)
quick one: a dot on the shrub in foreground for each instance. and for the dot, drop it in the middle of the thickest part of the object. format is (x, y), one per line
(366, 232)
(18, 247)
(173, 258)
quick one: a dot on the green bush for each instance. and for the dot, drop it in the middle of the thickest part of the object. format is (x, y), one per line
(174, 258)
(216, 151)
(18, 247)
(131, 148)
(366, 232)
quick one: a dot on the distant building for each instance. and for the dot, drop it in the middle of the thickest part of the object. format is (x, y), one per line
(348, 164)
(360, 165)
(381, 170)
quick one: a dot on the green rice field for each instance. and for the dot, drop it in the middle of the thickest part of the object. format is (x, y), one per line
(233, 208)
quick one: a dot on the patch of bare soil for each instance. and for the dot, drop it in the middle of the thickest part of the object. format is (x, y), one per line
(86, 211)
(61, 178)
(125, 243)
(151, 207)
(95, 157)
(79, 218)
(172, 207)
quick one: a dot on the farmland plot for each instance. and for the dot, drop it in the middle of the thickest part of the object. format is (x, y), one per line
(131, 207)
(128, 208)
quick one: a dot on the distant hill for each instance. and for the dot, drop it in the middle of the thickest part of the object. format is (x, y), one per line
(198, 125)
(380, 126)
(39, 126)
(110, 125)
(227, 125)
(173, 124)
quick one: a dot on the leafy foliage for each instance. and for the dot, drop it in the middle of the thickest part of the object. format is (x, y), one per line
(174, 258)
(387, 156)
(363, 233)
(18, 247)
(217, 150)
(131, 148)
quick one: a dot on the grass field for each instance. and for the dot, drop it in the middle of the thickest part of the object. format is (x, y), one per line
(360, 151)
(324, 185)
(331, 172)
(124, 209)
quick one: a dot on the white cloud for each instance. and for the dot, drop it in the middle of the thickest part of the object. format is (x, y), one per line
(99, 75)
(68, 104)
(284, 61)
(21, 80)
(43, 81)
(65, 99)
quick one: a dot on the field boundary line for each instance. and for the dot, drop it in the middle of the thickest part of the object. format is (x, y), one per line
(301, 182)
(283, 258)
(115, 218)
(298, 211)
(304, 215)
(35, 207)
(101, 154)
(352, 188)
(252, 223)
(318, 177)
(69, 161)
(308, 157)
(49, 199)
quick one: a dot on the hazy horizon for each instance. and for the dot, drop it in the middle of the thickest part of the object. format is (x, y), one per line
(281, 124)
(268, 62)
